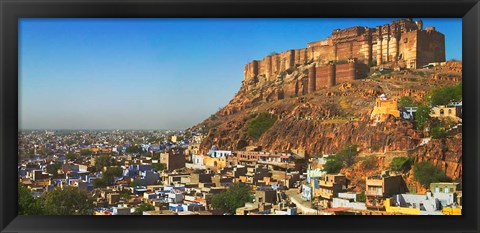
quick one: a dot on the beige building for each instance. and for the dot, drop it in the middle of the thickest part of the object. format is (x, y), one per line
(446, 111)
(383, 186)
(174, 159)
(329, 186)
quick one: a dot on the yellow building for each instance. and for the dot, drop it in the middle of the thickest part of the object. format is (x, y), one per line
(397, 209)
(215, 163)
(384, 106)
(452, 211)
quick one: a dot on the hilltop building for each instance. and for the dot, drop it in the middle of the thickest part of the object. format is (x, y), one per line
(347, 55)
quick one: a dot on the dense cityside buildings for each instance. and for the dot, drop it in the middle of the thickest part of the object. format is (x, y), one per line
(198, 171)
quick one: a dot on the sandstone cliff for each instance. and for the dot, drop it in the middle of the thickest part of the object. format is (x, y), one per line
(324, 121)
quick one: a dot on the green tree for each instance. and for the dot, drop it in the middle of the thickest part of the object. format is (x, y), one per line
(261, 123)
(111, 173)
(67, 201)
(348, 155)
(362, 197)
(438, 132)
(85, 152)
(99, 183)
(421, 117)
(235, 197)
(143, 207)
(333, 165)
(407, 101)
(71, 155)
(444, 95)
(104, 161)
(133, 184)
(159, 166)
(344, 158)
(53, 168)
(134, 149)
(27, 204)
(125, 195)
(401, 164)
(426, 173)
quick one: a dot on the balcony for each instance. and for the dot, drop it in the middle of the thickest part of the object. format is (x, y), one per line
(377, 192)
(323, 183)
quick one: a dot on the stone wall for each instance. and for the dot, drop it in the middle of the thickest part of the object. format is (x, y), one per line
(403, 40)
(430, 47)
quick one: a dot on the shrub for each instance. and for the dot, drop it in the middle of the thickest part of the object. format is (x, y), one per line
(426, 173)
(362, 197)
(401, 164)
(333, 165)
(445, 95)
(348, 155)
(159, 166)
(261, 123)
(421, 117)
(407, 101)
(438, 132)
(369, 162)
(344, 158)
(143, 207)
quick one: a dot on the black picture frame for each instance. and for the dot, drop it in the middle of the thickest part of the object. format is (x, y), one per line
(11, 10)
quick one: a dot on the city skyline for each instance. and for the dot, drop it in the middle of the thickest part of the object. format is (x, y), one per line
(155, 73)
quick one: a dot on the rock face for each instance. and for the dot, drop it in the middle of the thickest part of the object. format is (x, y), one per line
(443, 153)
(321, 106)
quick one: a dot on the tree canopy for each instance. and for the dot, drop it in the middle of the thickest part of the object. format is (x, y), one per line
(261, 123)
(407, 101)
(27, 204)
(143, 207)
(445, 95)
(67, 201)
(426, 173)
(235, 197)
(104, 161)
(134, 149)
(401, 164)
(421, 117)
(344, 158)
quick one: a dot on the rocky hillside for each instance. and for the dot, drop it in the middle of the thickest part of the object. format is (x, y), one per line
(326, 120)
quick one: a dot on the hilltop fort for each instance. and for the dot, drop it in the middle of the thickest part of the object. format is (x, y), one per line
(346, 55)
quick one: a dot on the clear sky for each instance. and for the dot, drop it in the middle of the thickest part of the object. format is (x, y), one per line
(155, 73)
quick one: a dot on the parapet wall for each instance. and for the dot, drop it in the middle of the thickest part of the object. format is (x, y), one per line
(403, 40)
(326, 76)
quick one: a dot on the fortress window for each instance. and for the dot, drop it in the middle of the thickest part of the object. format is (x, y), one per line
(442, 112)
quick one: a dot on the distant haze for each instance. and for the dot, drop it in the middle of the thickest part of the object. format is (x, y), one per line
(155, 73)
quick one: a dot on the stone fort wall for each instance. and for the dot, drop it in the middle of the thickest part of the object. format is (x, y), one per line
(403, 41)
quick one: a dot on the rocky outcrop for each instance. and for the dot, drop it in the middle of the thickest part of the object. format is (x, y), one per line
(443, 153)
(323, 101)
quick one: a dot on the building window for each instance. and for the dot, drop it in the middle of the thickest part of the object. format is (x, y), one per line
(442, 112)
(449, 111)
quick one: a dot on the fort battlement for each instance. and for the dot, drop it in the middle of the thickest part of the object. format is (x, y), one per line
(403, 41)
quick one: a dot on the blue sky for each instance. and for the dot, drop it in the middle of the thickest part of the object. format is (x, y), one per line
(155, 73)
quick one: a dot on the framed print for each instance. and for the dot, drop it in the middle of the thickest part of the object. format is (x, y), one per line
(161, 116)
